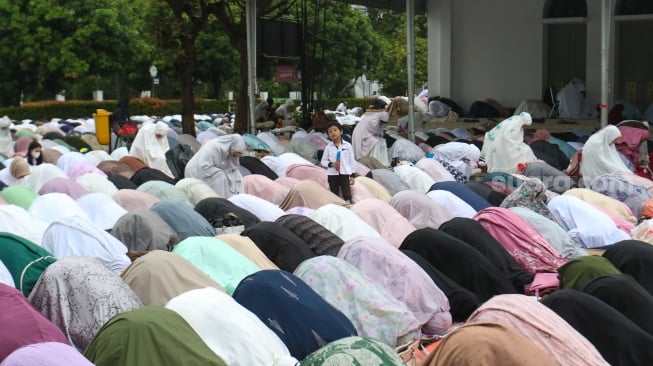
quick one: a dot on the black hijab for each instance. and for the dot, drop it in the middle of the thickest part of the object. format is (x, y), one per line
(625, 295)
(121, 182)
(256, 166)
(458, 261)
(147, 174)
(635, 258)
(279, 244)
(462, 301)
(488, 193)
(619, 340)
(320, 239)
(472, 232)
(215, 210)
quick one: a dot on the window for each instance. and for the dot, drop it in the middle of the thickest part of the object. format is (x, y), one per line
(565, 9)
(634, 7)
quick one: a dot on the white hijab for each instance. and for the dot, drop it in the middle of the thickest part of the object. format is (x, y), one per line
(77, 236)
(150, 149)
(343, 222)
(452, 203)
(272, 141)
(415, 178)
(460, 155)
(587, 226)
(504, 146)
(600, 155)
(234, 333)
(277, 164)
(6, 142)
(16, 220)
(42, 174)
(264, 210)
(48, 207)
(101, 209)
(70, 158)
(94, 182)
(368, 134)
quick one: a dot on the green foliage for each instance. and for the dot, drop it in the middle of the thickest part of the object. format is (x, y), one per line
(51, 45)
(84, 109)
(393, 69)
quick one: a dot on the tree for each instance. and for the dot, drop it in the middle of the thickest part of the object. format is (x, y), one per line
(217, 61)
(231, 19)
(189, 18)
(393, 68)
(45, 41)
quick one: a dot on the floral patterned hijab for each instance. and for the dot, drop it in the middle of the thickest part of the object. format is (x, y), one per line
(530, 194)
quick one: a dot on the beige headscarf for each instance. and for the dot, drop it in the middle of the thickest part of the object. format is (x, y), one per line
(246, 247)
(160, 276)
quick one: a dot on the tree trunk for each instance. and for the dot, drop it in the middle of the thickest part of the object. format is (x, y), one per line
(242, 100)
(186, 70)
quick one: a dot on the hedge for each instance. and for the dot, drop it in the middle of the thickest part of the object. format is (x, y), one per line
(46, 110)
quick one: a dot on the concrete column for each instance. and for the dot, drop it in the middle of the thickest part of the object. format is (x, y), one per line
(439, 14)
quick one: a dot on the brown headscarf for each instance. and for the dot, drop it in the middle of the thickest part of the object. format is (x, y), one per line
(133, 162)
(488, 344)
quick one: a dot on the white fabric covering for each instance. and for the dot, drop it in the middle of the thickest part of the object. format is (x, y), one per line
(504, 146)
(587, 226)
(343, 222)
(415, 178)
(76, 236)
(16, 220)
(452, 203)
(234, 333)
(101, 209)
(264, 210)
(600, 155)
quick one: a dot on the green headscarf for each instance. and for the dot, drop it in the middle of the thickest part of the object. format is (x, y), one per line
(22, 196)
(149, 336)
(25, 260)
(355, 351)
(578, 272)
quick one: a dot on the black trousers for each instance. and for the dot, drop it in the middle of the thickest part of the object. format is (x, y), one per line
(339, 183)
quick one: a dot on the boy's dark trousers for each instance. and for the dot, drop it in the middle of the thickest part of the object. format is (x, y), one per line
(340, 182)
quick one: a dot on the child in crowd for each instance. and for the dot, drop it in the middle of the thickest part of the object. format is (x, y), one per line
(339, 160)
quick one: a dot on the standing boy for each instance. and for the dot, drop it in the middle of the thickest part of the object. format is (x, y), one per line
(339, 160)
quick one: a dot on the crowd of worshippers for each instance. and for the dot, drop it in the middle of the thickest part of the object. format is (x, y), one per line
(503, 245)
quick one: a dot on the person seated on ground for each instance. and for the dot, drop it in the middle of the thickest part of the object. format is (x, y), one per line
(572, 101)
(342, 108)
(216, 164)
(285, 113)
(150, 145)
(367, 138)
(34, 154)
(319, 118)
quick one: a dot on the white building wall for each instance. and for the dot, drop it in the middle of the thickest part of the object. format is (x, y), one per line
(494, 49)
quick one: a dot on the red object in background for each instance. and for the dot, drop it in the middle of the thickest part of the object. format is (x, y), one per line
(285, 74)
(128, 129)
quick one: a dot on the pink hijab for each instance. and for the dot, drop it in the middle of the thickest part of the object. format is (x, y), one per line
(531, 251)
(304, 172)
(420, 210)
(63, 185)
(264, 187)
(287, 181)
(80, 169)
(133, 200)
(385, 219)
(403, 278)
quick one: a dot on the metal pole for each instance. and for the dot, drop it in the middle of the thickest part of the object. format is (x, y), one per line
(605, 54)
(251, 63)
(410, 38)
